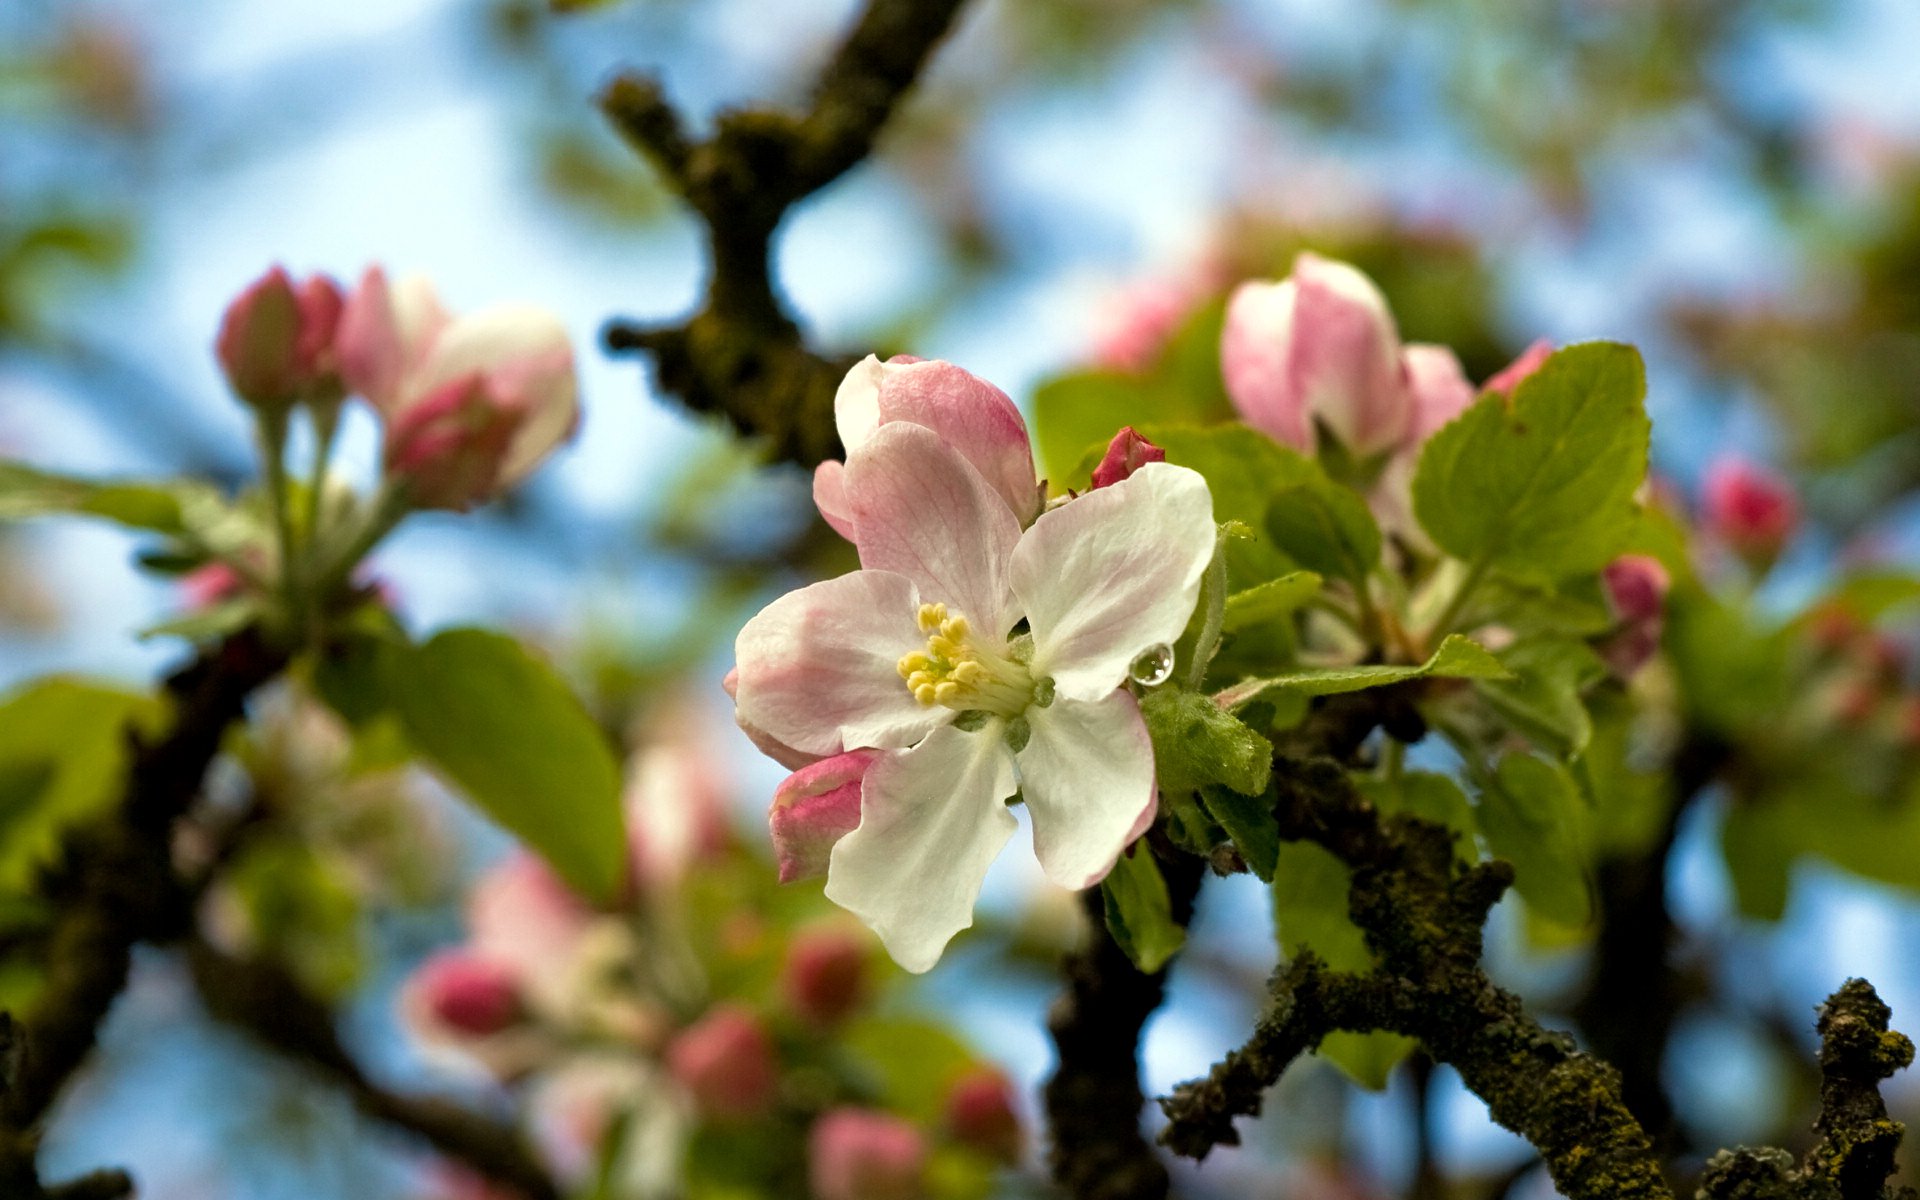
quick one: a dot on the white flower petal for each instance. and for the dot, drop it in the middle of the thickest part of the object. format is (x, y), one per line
(920, 509)
(1113, 573)
(817, 667)
(856, 405)
(932, 819)
(1087, 777)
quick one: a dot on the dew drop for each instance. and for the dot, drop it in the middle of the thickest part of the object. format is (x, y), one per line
(1154, 667)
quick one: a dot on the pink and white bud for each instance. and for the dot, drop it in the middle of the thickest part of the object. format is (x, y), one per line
(980, 1114)
(974, 417)
(1636, 586)
(1136, 328)
(385, 332)
(460, 994)
(1510, 376)
(449, 449)
(1126, 453)
(815, 807)
(826, 977)
(859, 1154)
(1750, 509)
(1439, 387)
(276, 339)
(726, 1061)
(526, 358)
(1317, 349)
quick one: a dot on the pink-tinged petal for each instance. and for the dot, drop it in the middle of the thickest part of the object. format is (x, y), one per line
(830, 497)
(768, 745)
(815, 807)
(818, 666)
(675, 800)
(447, 448)
(1440, 389)
(1508, 377)
(1345, 358)
(932, 820)
(1112, 574)
(1255, 348)
(921, 511)
(856, 404)
(527, 360)
(1086, 774)
(1126, 453)
(384, 332)
(522, 916)
(971, 415)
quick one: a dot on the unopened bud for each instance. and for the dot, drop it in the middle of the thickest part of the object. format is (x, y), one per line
(859, 1154)
(466, 994)
(980, 1114)
(276, 340)
(815, 807)
(825, 978)
(1750, 509)
(725, 1060)
(448, 449)
(1127, 453)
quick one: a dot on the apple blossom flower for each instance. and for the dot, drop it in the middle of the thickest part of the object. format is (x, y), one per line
(1126, 453)
(465, 994)
(825, 977)
(919, 655)
(860, 1154)
(472, 404)
(675, 802)
(980, 1114)
(726, 1062)
(1317, 350)
(1750, 509)
(974, 417)
(276, 342)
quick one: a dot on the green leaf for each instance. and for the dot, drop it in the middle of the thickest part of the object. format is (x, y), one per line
(1310, 908)
(1271, 601)
(1325, 528)
(1139, 911)
(1430, 797)
(1759, 861)
(1457, 658)
(1542, 700)
(26, 492)
(1733, 672)
(1542, 488)
(503, 726)
(64, 751)
(1533, 816)
(912, 1062)
(1249, 821)
(1197, 743)
(208, 624)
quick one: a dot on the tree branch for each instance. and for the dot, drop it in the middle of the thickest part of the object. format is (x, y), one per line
(267, 1002)
(742, 355)
(1094, 1099)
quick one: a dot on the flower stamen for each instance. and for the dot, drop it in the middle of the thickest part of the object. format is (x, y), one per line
(960, 671)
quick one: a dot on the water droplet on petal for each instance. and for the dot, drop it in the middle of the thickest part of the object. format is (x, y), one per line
(1154, 667)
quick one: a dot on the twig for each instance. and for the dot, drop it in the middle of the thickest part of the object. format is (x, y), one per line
(742, 355)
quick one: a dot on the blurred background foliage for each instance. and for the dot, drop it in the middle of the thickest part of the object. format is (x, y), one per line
(1735, 187)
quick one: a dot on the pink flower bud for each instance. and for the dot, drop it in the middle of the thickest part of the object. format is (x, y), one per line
(726, 1061)
(466, 994)
(212, 584)
(1318, 349)
(1510, 376)
(385, 332)
(1439, 386)
(449, 449)
(1636, 586)
(825, 978)
(1127, 453)
(1751, 509)
(859, 1154)
(276, 339)
(815, 807)
(980, 1114)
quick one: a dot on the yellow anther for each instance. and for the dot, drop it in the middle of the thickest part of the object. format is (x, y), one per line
(931, 616)
(955, 628)
(946, 693)
(925, 694)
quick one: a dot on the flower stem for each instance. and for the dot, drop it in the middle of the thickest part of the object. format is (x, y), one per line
(273, 449)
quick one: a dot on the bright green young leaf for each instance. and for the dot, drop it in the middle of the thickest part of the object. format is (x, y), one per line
(63, 756)
(912, 1063)
(1140, 912)
(1310, 890)
(1196, 743)
(1271, 601)
(26, 492)
(1733, 672)
(1430, 797)
(1542, 488)
(504, 727)
(1542, 698)
(1759, 860)
(1457, 658)
(1325, 528)
(1534, 817)
(1248, 820)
